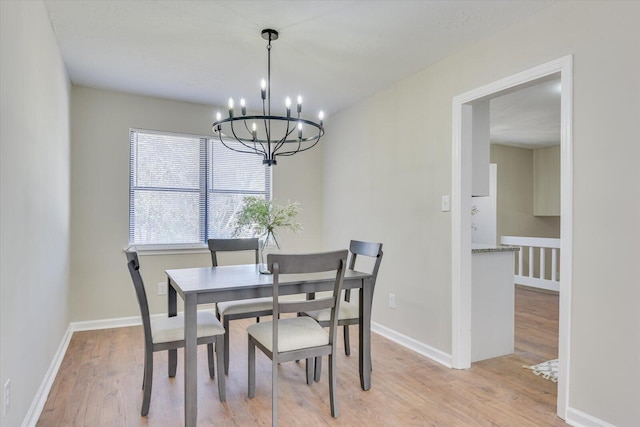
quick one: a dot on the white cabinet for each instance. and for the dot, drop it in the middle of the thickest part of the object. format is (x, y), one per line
(492, 302)
(480, 121)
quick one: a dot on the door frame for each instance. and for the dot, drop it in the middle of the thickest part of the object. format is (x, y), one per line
(461, 203)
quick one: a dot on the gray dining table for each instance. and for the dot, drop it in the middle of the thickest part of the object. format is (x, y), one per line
(228, 283)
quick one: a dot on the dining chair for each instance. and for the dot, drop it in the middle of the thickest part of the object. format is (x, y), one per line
(240, 309)
(168, 334)
(349, 313)
(297, 338)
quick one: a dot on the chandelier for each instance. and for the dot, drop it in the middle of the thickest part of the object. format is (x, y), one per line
(268, 135)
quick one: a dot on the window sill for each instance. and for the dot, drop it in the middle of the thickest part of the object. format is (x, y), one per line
(145, 250)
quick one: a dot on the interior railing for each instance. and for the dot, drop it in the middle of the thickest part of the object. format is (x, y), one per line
(539, 269)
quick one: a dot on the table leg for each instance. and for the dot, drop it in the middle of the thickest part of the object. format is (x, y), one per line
(190, 361)
(366, 300)
(172, 310)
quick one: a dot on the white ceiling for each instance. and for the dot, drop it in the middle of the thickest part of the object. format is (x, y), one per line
(333, 53)
(528, 118)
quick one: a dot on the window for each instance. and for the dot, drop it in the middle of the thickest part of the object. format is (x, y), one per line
(186, 189)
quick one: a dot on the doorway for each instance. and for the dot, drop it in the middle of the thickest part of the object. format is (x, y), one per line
(461, 208)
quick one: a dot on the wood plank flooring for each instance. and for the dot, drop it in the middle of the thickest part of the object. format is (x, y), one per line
(99, 384)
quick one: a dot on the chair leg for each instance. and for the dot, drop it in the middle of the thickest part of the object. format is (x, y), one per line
(347, 346)
(318, 369)
(309, 365)
(222, 391)
(251, 369)
(274, 391)
(148, 382)
(333, 399)
(173, 362)
(212, 373)
(144, 370)
(225, 324)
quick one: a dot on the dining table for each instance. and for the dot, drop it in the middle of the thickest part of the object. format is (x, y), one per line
(207, 285)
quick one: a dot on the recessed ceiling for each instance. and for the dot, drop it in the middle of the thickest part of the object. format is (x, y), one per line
(528, 118)
(333, 53)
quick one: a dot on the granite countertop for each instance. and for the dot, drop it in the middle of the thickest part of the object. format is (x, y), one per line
(481, 248)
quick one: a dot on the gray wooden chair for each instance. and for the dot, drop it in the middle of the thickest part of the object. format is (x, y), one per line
(349, 313)
(297, 338)
(241, 309)
(168, 334)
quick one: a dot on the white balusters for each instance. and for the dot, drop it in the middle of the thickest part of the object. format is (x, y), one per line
(532, 244)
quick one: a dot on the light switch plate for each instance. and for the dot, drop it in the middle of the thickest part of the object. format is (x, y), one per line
(446, 204)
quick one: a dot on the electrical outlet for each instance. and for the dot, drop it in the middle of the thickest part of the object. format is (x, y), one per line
(162, 288)
(392, 301)
(6, 398)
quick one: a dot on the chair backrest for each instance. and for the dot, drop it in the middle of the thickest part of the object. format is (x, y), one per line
(368, 249)
(301, 264)
(232, 245)
(138, 284)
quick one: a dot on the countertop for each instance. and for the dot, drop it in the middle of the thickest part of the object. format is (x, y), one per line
(481, 248)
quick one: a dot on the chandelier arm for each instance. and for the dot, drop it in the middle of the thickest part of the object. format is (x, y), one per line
(299, 150)
(241, 141)
(267, 130)
(287, 132)
(283, 140)
(238, 151)
(291, 153)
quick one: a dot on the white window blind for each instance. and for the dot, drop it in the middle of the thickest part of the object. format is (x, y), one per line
(186, 189)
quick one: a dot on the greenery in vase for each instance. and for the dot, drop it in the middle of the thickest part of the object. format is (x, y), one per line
(264, 217)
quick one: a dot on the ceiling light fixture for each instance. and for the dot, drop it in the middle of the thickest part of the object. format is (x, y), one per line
(268, 135)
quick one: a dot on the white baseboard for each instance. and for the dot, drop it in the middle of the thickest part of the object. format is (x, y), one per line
(412, 344)
(580, 419)
(118, 322)
(39, 400)
(31, 419)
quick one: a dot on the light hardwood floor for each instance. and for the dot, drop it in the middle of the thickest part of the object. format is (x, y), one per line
(99, 384)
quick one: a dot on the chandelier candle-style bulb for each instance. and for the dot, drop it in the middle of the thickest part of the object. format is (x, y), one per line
(321, 116)
(270, 134)
(230, 107)
(243, 106)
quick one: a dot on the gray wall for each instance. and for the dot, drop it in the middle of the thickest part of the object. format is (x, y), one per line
(515, 195)
(101, 286)
(394, 149)
(34, 201)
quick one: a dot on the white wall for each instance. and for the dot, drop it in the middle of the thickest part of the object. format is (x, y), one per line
(388, 161)
(34, 201)
(101, 285)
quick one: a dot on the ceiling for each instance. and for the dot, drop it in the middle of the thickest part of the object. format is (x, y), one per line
(333, 53)
(528, 118)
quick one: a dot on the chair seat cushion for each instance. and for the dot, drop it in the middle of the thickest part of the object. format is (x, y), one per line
(294, 333)
(252, 305)
(348, 310)
(172, 328)
(245, 306)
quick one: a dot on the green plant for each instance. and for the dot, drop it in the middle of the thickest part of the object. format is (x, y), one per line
(264, 217)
